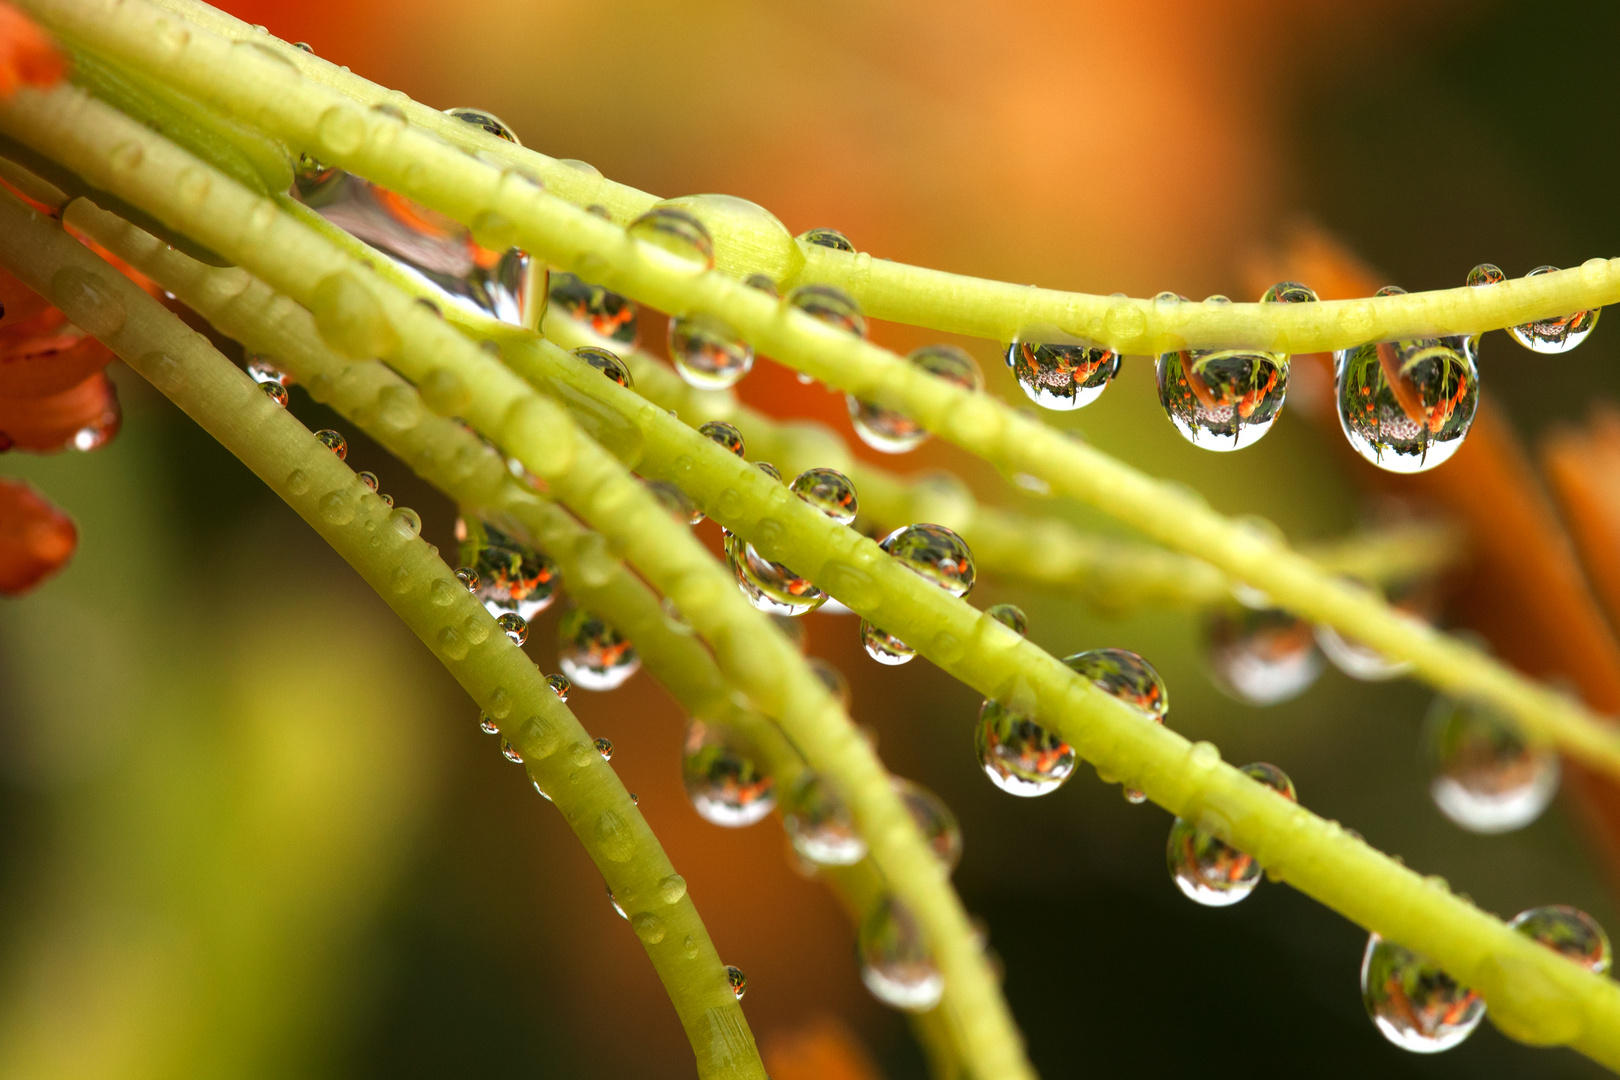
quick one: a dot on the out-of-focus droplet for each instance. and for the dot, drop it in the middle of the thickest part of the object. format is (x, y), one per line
(275, 392)
(604, 747)
(707, 353)
(831, 305)
(1261, 656)
(1407, 405)
(607, 363)
(832, 679)
(560, 685)
(829, 491)
(485, 121)
(827, 238)
(1416, 1006)
(263, 370)
(934, 820)
(511, 753)
(515, 626)
(592, 654)
(763, 283)
(1488, 777)
(897, 965)
(1018, 755)
(737, 981)
(1569, 932)
(677, 232)
(1059, 372)
(769, 470)
(468, 577)
(607, 314)
(1209, 870)
(725, 785)
(819, 823)
(512, 576)
(894, 432)
(1555, 335)
(1011, 616)
(770, 586)
(675, 500)
(334, 442)
(725, 434)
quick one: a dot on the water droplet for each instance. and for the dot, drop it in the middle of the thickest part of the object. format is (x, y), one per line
(512, 576)
(1209, 870)
(334, 442)
(515, 625)
(511, 753)
(1057, 371)
(559, 685)
(405, 522)
(672, 888)
(935, 553)
(387, 500)
(895, 433)
(275, 392)
(1261, 656)
(677, 232)
(934, 820)
(263, 370)
(614, 900)
(832, 679)
(369, 479)
(592, 654)
(607, 314)
(827, 238)
(468, 578)
(298, 481)
(763, 283)
(829, 491)
(603, 747)
(725, 434)
(831, 305)
(722, 780)
(489, 122)
(737, 981)
(708, 353)
(769, 470)
(336, 508)
(819, 824)
(1569, 932)
(768, 585)
(607, 363)
(1126, 676)
(884, 647)
(674, 500)
(1020, 756)
(1488, 777)
(1485, 274)
(487, 725)
(1416, 1006)
(896, 964)
(1555, 335)
(1011, 616)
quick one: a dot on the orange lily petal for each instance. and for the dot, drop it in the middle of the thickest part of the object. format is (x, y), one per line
(85, 415)
(36, 539)
(28, 56)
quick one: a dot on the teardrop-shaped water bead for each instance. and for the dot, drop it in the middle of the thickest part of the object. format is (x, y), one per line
(560, 685)
(1555, 335)
(604, 746)
(512, 576)
(707, 353)
(725, 434)
(1569, 932)
(894, 432)
(1416, 1006)
(678, 232)
(721, 778)
(829, 491)
(608, 363)
(275, 392)
(1209, 870)
(737, 981)
(1488, 777)
(827, 238)
(1261, 656)
(1020, 756)
(770, 586)
(819, 823)
(896, 963)
(605, 313)
(468, 577)
(934, 820)
(830, 305)
(1058, 372)
(592, 654)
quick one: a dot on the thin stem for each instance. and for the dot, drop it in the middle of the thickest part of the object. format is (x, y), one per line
(384, 547)
(362, 316)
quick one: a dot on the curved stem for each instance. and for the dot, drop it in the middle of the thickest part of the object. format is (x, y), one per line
(383, 546)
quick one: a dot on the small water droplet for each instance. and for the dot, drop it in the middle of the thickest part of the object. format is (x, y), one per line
(512, 576)
(819, 824)
(1020, 756)
(895, 433)
(336, 508)
(1057, 371)
(648, 927)
(298, 482)
(334, 442)
(369, 479)
(934, 820)
(1485, 274)
(487, 725)
(487, 121)
(827, 238)
(1488, 777)
(1416, 1006)
(896, 963)
(603, 747)
(635, 800)
(737, 981)
(672, 888)
(592, 654)
(607, 363)
(830, 305)
(1569, 932)
(1209, 870)
(769, 470)
(559, 685)
(468, 578)
(511, 753)
(674, 500)
(690, 947)
(829, 491)
(1261, 656)
(515, 626)
(1011, 616)
(275, 392)
(725, 434)
(722, 780)
(707, 352)
(763, 283)
(607, 314)
(1555, 335)
(614, 900)
(883, 646)
(405, 521)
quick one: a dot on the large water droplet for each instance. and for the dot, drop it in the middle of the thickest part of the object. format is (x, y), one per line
(894, 432)
(677, 232)
(829, 491)
(607, 363)
(1208, 869)
(831, 305)
(725, 434)
(934, 820)
(725, 785)
(1488, 777)
(770, 586)
(334, 442)
(1059, 372)
(1569, 932)
(1126, 676)
(708, 354)
(827, 238)
(819, 823)
(932, 552)
(737, 981)
(1020, 756)
(515, 626)
(512, 576)
(1261, 656)
(606, 314)
(1555, 335)
(896, 963)
(592, 654)
(1416, 1006)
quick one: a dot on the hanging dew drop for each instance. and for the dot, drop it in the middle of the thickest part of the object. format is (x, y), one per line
(614, 900)
(604, 747)
(884, 647)
(934, 820)
(592, 654)
(896, 963)
(707, 353)
(1570, 932)
(819, 824)
(1058, 371)
(487, 725)
(737, 981)
(723, 782)
(895, 433)
(934, 553)
(1011, 616)
(512, 576)
(1020, 756)
(511, 753)
(1261, 657)
(559, 685)
(275, 392)
(1209, 870)
(769, 586)
(1488, 777)
(515, 626)
(468, 578)
(1416, 1006)
(1556, 335)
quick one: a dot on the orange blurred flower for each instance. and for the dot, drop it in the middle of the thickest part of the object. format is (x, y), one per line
(36, 539)
(28, 56)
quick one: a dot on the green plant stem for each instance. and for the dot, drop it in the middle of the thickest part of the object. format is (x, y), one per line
(384, 547)
(363, 317)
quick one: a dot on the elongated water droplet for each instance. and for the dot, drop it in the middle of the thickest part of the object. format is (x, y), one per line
(819, 824)
(1261, 657)
(721, 778)
(1569, 932)
(512, 576)
(707, 352)
(897, 965)
(559, 685)
(677, 232)
(515, 626)
(763, 283)
(674, 500)
(737, 981)
(831, 305)
(769, 470)
(592, 654)
(1020, 756)
(934, 820)
(829, 491)
(1488, 777)
(607, 363)
(895, 433)
(768, 585)
(487, 725)
(725, 434)
(511, 753)
(1209, 870)
(604, 747)
(1416, 1006)
(1057, 371)
(827, 238)
(1555, 335)
(334, 442)
(614, 900)
(486, 121)
(932, 552)
(1011, 616)
(606, 314)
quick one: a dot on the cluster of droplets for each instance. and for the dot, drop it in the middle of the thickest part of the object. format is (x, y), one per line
(768, 585)
(1206, 868)
(933, 553)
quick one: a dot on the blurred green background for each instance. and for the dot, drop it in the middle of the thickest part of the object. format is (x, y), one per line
(248, 827)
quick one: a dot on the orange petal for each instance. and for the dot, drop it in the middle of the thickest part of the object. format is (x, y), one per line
(51, 365)
(28, 56)
(18, 303)
(823, 1049)
(85, 416)
(36, 539)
